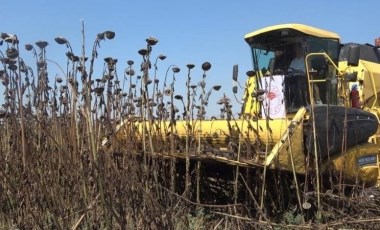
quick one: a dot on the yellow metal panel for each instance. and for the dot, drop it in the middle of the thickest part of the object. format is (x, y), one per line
(251, 106)
(217, 133)
(354, 168)
(288, 153)
(269, 131)
(309, 30)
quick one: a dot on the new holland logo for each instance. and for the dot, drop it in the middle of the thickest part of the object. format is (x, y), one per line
(367, 160)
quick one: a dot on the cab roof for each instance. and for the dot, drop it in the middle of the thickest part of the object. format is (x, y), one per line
(287, 30)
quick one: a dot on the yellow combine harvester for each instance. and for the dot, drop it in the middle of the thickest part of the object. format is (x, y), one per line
(324, 115)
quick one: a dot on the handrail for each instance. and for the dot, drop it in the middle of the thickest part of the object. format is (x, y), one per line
(325, 56)
(309, 80)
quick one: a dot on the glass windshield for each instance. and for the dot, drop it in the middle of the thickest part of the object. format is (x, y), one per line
(262, 60)
(276, 58)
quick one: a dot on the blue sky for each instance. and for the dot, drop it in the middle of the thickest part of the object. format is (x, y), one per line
(188, 31)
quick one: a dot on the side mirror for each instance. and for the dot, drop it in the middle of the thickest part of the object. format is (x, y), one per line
(251, 73)
(353, 55)
(235, 71)
(235, 89)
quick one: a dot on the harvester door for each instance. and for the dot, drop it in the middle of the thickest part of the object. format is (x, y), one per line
(296, 91)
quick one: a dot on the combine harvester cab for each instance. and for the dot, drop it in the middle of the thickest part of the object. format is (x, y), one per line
(329, 104)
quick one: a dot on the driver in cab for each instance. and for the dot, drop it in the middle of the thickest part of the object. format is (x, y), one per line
(297, 65)
(297, 68)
